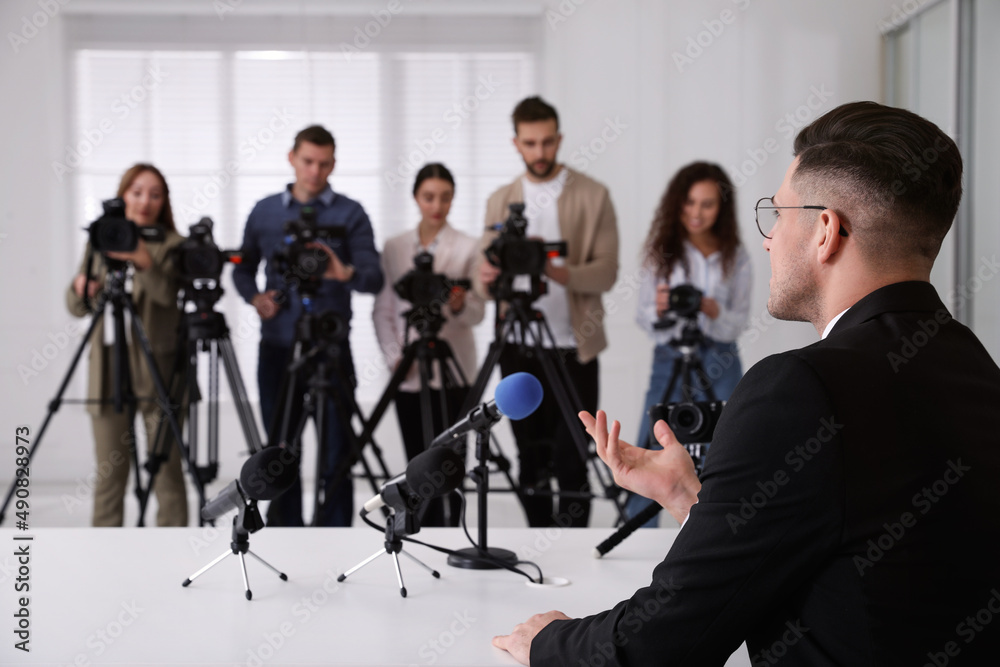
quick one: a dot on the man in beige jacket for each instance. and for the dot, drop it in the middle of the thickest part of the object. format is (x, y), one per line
(560, 205)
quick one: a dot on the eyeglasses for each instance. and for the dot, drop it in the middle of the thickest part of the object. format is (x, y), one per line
(770, 223)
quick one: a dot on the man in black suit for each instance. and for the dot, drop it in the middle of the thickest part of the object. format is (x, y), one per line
(850, 496)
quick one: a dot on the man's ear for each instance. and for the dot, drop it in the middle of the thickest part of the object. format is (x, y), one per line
(829, 237)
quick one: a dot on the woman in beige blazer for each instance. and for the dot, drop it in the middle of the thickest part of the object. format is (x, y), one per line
(154, 292)
(455, 256)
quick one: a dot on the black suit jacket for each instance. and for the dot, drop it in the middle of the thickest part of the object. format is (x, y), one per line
(849, 513)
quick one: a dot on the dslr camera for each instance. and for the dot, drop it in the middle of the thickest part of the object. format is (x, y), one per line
(691, 422)
(113, 232)
(303, 264)
(425, 289)
(516, 255)
(685, 302)
(199, 258)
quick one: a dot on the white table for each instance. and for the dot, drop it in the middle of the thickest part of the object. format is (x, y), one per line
(114, 596)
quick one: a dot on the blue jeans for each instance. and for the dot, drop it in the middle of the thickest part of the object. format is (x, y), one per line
(286, 509)
(721, 362)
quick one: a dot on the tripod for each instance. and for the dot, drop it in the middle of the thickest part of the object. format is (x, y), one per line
(397, 525)
(123, 392)
(318, 340)
(203, 330)
(247, 521)
(533, 332)
(425, 350)
(687, 370)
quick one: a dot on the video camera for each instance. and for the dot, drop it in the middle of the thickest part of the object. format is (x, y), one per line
(516, 255)
(425, 289)
(295, 259)
(113, 232)
(199, 258)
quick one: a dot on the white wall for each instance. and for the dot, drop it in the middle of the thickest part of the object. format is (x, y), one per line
(723, 102)
(608, 60)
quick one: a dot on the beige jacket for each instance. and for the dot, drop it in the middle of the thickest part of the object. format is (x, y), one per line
(456, 256)
(589, 227)
(154, 293)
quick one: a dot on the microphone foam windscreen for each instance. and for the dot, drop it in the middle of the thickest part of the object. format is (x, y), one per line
(269, 473)
(435, 472)
(518, 395)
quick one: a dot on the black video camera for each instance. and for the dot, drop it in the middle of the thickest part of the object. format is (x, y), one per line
(516, 255)
(299, 262)
(198, 258)
(113, 232)
(425, 289)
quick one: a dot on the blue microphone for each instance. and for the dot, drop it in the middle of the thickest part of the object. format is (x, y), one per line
(517, 396)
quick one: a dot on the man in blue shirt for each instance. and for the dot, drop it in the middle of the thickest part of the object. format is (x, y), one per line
(353, 266)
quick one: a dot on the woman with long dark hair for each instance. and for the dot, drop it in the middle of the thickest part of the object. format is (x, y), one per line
(154, 293)
(694, 240)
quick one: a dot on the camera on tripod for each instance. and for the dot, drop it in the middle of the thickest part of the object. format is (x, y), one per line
(426, 290)
(516, 255)
(307, 265)
(685, 302)
(325, 329)
(113, 232)
(199, 258)
(691, 422)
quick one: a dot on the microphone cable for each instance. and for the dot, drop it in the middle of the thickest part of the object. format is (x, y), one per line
(484, 557)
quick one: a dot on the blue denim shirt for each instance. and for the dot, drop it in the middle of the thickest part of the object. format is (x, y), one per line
(264, 234)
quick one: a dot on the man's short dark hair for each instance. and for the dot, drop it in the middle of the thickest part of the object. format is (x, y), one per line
(896, 177)
(314, 134)
(532, 109)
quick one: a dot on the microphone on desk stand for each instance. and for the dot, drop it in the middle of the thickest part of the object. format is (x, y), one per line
(433, 473)
(265, 476)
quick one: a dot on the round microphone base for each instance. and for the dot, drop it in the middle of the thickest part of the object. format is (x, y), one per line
(474, 558)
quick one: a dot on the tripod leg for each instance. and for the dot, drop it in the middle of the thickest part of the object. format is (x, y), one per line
(243, 569)
(159, 449)
(205, 569)
(165, 405)
(281, 575)
(360, 565)
(55, 403)
(434, 573)
(491, 361)
(426, 409)
(399, 574)
(240, 397)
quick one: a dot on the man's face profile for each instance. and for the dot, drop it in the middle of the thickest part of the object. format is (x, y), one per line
(793, 288)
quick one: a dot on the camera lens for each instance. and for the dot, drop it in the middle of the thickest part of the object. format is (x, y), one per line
(687, 419)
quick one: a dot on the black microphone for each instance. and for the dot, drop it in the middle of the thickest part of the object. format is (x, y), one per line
(432, 473)
(627, 529)
(517, 396)
(269, 473)
(264, 476)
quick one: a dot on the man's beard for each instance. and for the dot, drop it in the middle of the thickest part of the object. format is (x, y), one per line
(541, 174)
(796, 297)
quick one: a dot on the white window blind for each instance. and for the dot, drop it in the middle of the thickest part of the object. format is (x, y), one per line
(219, 124)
